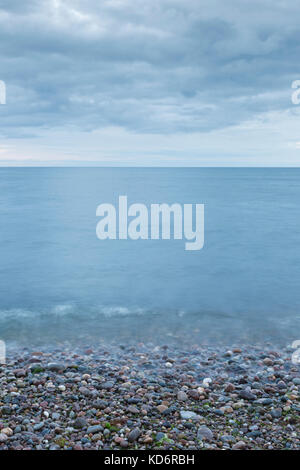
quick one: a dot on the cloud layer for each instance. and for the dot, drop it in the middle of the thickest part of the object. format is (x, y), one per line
(165, 67)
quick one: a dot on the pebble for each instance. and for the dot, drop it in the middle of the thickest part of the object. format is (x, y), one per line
(247, 395)
(126, 397)
(38, 426)
(55, 367)
(94, 429)
(80, 423)
(3, 437)
(134, 435)
(162, 408)
(276, 413)
(189, 415)
(204, 433)
(182, 396)
(241, 445)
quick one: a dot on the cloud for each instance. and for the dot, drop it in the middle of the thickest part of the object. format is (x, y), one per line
(163, 67)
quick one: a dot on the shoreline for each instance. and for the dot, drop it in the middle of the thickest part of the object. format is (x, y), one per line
(110, 397)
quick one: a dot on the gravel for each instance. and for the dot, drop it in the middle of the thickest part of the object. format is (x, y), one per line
(143, 396)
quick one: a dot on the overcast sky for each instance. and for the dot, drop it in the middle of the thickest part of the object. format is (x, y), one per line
(140, 82)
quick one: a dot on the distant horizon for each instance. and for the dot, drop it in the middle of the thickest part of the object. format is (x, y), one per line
(86, 165)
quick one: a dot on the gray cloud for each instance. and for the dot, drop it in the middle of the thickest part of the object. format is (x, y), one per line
(164, 66)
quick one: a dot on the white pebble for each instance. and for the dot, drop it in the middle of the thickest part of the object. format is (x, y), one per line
(206, 382)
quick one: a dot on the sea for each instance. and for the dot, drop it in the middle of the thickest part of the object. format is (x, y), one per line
(59, 282)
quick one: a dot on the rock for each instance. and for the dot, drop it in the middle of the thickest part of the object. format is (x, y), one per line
(206, 382)
(227, 409)
(8, 431)
(265, 401)
(38, 426)
(132, 409)
(162, 408)
(3, 437)
(194, 394)
(247, 395)
(80, 423)
(134, 435)
(148, 440)
(100, 404)
(123, 443)
(94, 429)
(85, 391)
(268, 361)
(20, 372)
(54, 447)
(228, 354)
(281, 385)
(5, 410)
(204, 433)
(189, 415)
(276, 413)
(227, 438)
(159, 436)
(106, 385)
(56, 367)
(239, 445)
(182, 396)
(229, 388)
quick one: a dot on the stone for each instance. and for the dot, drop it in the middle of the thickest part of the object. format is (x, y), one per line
(189, 415)
(206, 382)
(3, 437)
(56, 367)
(20, 372)
(276, 413)
(80, 423)
(8, 431)
(94, 429)
(38, 426)
(106, 385)
(133, 409)
(268, 361)
(85, 391)
(227, 438)
(204, 433)
(241, 445)
(5, 410)
(162, 408)
(194, 394)
(123, 443)
(134, 435)
(247, 395)
(229, 388)
(182, 396)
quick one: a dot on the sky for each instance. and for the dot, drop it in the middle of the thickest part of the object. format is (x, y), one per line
(151, 83)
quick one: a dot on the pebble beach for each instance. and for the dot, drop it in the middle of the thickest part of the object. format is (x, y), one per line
(149, 397)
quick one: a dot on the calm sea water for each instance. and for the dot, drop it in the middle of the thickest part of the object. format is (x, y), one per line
(58, 281)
